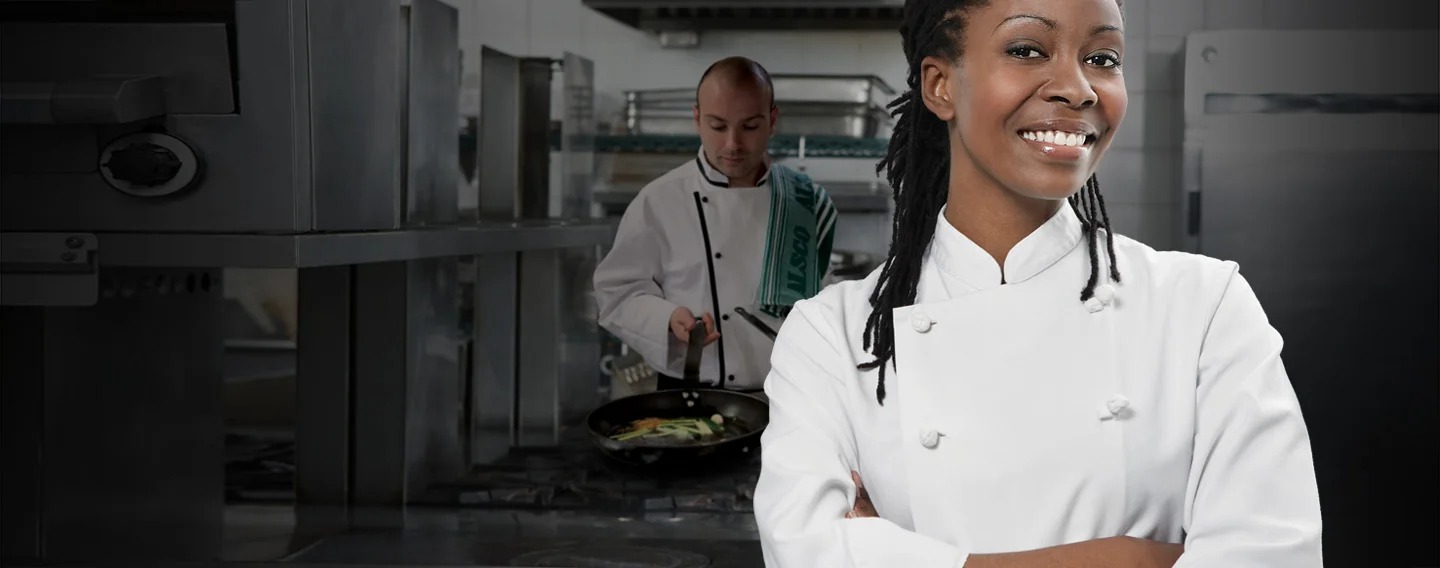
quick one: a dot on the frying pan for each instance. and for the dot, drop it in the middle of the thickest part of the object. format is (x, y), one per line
(692, 401)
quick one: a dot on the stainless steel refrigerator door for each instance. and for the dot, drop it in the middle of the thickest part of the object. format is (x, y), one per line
(1324, 185)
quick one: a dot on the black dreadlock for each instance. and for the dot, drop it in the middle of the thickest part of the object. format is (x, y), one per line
(917, 165)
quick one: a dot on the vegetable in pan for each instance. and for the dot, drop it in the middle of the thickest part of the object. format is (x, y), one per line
(681, 430)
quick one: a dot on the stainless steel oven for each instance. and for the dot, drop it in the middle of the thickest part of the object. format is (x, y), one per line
(283, 116)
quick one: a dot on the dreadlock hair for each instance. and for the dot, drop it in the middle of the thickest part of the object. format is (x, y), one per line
(917, 165)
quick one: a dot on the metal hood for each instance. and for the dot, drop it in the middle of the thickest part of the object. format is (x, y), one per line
(702, 15)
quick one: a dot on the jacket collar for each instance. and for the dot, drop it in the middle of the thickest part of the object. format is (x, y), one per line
(958, 256)
(718, 179)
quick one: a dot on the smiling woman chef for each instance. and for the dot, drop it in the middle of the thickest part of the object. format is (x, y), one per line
(728, 229)
(1003, 396)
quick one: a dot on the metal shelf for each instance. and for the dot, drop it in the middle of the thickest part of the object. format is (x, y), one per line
(845, 203)
(786, 145)
(849, 197)
(334, 249)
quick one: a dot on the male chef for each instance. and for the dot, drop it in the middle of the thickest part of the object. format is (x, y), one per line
(729, 229)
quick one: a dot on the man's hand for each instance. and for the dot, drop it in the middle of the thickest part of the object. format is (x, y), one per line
(682, 320)
(863, 507)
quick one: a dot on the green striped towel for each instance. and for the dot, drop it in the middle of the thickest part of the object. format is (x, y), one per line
(797, 246)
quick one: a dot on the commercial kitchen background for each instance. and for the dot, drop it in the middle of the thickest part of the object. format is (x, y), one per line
(1144, 181)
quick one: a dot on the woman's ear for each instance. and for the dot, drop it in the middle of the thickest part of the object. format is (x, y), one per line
(935, 78)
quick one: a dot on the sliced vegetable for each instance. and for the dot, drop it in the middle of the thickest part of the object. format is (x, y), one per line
(681, 428)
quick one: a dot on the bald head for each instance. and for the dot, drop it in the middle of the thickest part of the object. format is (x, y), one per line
(735, 115)
(737, 75)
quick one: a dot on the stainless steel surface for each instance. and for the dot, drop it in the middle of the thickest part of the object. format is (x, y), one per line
(692, 16)
(434, 447)
(538, 386)
(183, 54)
(22, 432)
(1332, 219)
(540, 334)
(833, 105)
(614, 202)
(536, 74)
(493, 388)
(311, 143)
(498, 150)
(124, 401)
(558, 380)
(85, 101)
(49, 269)
(432, 102)
(577, 131)
(795, 118)
(355, 113)
(406, 386)
(323, 391)
(330, 249)
(149, 164)
(863, 89)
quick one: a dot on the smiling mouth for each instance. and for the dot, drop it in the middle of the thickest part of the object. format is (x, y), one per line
(1059, 138)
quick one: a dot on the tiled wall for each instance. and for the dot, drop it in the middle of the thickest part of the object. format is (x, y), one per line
(1140, 177)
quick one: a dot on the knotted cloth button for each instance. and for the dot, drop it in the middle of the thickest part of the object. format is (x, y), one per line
(929, 438)
(1094, 304)
(1113, 407)
(1106, 294)
(921, 322)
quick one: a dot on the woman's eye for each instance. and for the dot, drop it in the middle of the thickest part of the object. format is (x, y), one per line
(1105, 60)
(1024, 52)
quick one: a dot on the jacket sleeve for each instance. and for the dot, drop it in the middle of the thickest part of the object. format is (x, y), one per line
(1251, 499)
(628, 286)
(808, 451)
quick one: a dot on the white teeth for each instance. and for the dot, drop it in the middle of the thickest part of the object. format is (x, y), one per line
(1056, 137)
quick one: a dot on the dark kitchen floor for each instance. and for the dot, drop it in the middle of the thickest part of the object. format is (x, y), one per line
(568, 506)
(466, 537)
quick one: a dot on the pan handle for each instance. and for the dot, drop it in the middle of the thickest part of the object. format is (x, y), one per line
(755, 321)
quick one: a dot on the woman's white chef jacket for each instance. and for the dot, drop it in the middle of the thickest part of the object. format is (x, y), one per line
(659, 262)
(1018, 417)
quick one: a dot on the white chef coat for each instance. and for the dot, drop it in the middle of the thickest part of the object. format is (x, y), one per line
(1017, 417)
(658, 262)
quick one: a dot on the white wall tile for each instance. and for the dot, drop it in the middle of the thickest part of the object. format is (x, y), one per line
(1160, 176)
(1163, 69)
(1121, 176)
(1137, 18)
(502, 25)
(1175, 17)
(1163, 119)
(1152, 120)
(1139, 176)
(1132, 129)
(1134, 63)
(1155, 224)
(1234, 14)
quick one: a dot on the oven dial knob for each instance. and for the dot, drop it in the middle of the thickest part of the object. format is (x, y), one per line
(149, 164)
